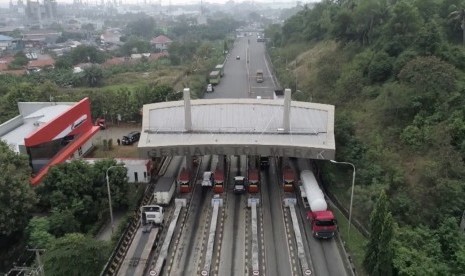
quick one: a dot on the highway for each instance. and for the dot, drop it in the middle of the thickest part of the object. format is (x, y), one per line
(216, 238)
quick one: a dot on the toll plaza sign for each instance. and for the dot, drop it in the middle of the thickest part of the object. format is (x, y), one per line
(262, 150)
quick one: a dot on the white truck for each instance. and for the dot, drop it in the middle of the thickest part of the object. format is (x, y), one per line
(164, 190)
(151, 214)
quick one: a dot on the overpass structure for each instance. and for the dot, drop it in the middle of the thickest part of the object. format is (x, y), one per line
(238, 127)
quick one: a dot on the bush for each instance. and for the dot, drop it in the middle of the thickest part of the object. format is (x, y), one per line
(380, 68)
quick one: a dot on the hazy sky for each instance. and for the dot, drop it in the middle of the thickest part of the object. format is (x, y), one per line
(166, 2)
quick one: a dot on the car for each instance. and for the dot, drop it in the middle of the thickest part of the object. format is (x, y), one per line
(130, 138)
(238, 57)
(210, 88)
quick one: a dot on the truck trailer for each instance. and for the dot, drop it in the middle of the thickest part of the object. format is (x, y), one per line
(164, 190)
(322, 220)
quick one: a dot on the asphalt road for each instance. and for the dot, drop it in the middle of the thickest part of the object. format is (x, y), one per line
(239, 75)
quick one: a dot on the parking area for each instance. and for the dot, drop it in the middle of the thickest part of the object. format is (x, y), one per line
(115, 132)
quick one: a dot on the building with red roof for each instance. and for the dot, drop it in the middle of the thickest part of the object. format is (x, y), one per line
(161, 42)
(50, 133)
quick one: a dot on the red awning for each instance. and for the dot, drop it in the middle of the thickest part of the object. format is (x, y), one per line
(65, 154)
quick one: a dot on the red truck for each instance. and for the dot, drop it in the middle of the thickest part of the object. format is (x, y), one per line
(184, 181)
(218, 185)
(254, 181)
(321, 218)
(288, 179)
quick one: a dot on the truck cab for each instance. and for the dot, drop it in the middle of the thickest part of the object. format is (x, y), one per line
(239, 184)
(264, 162)
(323, 224)
(152, 214)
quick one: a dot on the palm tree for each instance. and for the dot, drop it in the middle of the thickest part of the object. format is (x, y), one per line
(459, 15)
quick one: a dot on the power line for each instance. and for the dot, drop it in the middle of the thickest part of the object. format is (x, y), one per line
(36, 269)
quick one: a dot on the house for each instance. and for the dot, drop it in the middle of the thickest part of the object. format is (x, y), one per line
(161, 42)
(6, 42)
(111, 37)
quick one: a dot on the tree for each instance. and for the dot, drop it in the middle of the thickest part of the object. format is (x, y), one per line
(38, 233)
(432, 80)
(134, 46)
(76, 254)
(85, 54)
(143, 27)
(418, 252)
(16, 195)
(379, 253)
(77, 193)
(93, 76)
(19, 62)
(458, 15)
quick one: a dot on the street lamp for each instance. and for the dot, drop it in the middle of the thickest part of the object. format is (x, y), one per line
(351, 194)
(109, 197)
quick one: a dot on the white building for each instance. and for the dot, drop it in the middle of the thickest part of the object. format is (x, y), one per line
(5, 42)
(138, 169)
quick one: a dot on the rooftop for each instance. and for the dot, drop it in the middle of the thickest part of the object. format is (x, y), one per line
(30, 123)
(253, 124)
(161, 39)
(6, 38)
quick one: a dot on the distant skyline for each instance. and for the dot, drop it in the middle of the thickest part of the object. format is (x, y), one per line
(5, 3)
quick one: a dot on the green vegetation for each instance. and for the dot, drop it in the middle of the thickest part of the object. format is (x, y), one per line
(76, 254)
(395, 72)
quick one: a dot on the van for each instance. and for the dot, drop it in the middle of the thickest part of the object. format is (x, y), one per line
(259, 76)
(130, 138)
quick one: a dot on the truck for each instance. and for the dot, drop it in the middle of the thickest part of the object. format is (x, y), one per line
(322, 221)
(164, 190)
(239, 184)
(259, 76)
(254, 181)
(208, 179)
(214, 77)
(288, 179)
(220, 68)
(184, 181)
(264, 162)
(152, 214)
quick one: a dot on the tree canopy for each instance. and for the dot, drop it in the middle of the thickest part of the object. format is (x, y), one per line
(16, 195)
(395, 70)
(77, 193)
(75, 254)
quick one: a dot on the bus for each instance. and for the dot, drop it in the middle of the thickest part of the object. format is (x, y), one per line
(214, 77)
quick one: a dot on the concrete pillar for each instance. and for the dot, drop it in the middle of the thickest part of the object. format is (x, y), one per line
(187, 110)
(287, 110)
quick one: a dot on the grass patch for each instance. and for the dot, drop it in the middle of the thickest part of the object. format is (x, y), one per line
(115, 152)
(355, 245)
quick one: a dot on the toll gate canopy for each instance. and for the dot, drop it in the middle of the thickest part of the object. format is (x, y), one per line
(238, 127)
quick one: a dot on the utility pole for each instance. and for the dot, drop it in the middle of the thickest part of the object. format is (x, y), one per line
(40, 267)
